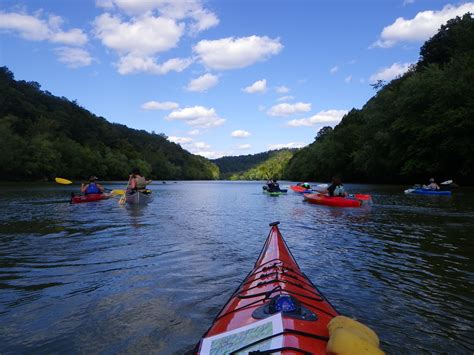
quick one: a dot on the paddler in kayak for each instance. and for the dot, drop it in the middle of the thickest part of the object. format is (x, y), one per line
(336, 188)
(137, 181)
(432, 185)
(273, 186)
(92, 187)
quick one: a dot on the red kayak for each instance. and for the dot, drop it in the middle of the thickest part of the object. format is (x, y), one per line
(300, 189)
(277, 309)
(88, 198)
(337, 201)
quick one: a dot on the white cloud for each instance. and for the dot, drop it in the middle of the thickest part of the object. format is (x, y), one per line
(155, 105)
(258, 86)
(130, 64)
(348, 79)
(285, 98)
(180, 140)
(387, 74)
(234, 53)
(322, 117)
(334, 69)
(145, 35)
(194, 132)
(198, 116)
(35, 28)
(199, 18)
(286, 109)
(407, 2)
(286, 145)
(282, 89)
(203, 83)
(244, 146)
(209, 154)
(424, 25)
(240, 133)
(73, 57)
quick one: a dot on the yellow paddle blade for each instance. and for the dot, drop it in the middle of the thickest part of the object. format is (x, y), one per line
(117, 192)
(63, 181)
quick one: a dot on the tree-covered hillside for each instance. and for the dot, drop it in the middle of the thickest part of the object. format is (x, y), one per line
(45, 136)
(418, 126)
(272, 168)
(238, 165)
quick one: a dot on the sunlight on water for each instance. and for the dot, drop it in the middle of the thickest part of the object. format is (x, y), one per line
(100, 277)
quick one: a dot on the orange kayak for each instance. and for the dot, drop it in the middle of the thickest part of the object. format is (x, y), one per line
(89, 198)
(356, 201)
(276, 309)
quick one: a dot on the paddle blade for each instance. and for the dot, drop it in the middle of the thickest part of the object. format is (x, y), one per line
(63, 181)
(447, 182)
(363, 197)
(117, 192)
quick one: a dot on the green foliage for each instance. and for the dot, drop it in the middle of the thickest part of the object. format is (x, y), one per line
(44, 136)
(237, 165)
(271, 168)
(417, 126)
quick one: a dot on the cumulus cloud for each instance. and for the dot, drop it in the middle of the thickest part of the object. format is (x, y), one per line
(155, 105)
(334, 69)
(348, 79)
(180, 140)
(424, 25)
(36, 28)
(282, 89)
(73, 57)
(387, 74)
(285, 98)
(199, 18)
(198, 116)
(131, 63)
(233, 53)
(286, 109)
(244, 146)
(286, 145)
(322, 117)
(194, 132)
(258, 86)
(240, 133)
(203, 83)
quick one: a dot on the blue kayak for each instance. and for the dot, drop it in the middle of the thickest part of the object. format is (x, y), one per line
(427, 192)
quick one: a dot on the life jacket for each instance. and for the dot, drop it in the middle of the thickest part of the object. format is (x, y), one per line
(92, 188)
(140, 182)
(339, 190)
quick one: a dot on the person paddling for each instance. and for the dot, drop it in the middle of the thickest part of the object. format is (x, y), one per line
(336, 188)
(137, 181)
(432, 185)
(273, 186)
(92, 187)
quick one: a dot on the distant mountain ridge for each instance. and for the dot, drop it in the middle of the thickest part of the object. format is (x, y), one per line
(45, 136)
(234, 166)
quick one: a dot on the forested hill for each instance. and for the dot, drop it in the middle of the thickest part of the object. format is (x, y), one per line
(45, 136)
(416, 127)
(236, 165)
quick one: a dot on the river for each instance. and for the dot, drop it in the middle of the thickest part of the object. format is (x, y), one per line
(104, 278)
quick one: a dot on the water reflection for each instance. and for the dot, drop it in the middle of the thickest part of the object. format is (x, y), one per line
(104, 277)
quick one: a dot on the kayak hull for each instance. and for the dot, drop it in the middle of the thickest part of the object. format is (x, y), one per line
(334, 201)
(275, 277)
(139, 198)
(300, 189)
(88, 198)
(428, 192)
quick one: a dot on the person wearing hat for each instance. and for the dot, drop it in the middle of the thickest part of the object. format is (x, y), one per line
(91, 187)
(432, 185)
(137, 181)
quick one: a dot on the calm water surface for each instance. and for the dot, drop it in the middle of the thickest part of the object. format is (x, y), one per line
(103, 278)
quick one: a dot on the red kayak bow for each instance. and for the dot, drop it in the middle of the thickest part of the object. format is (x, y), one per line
(276, 309)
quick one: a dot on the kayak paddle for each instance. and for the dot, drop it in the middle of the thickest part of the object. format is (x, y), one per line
(447, 182)
(63, 181)
(122, 198)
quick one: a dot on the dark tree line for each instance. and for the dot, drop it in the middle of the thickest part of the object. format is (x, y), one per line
(417, 126)
(43, 136)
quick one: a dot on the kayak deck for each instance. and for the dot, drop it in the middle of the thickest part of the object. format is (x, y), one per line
(334, 201)
(89, 198)
(277, 297)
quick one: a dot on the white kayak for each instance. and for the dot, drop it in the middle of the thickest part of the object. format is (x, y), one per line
(139, 197)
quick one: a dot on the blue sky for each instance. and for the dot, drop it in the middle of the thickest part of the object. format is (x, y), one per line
(219, 77)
